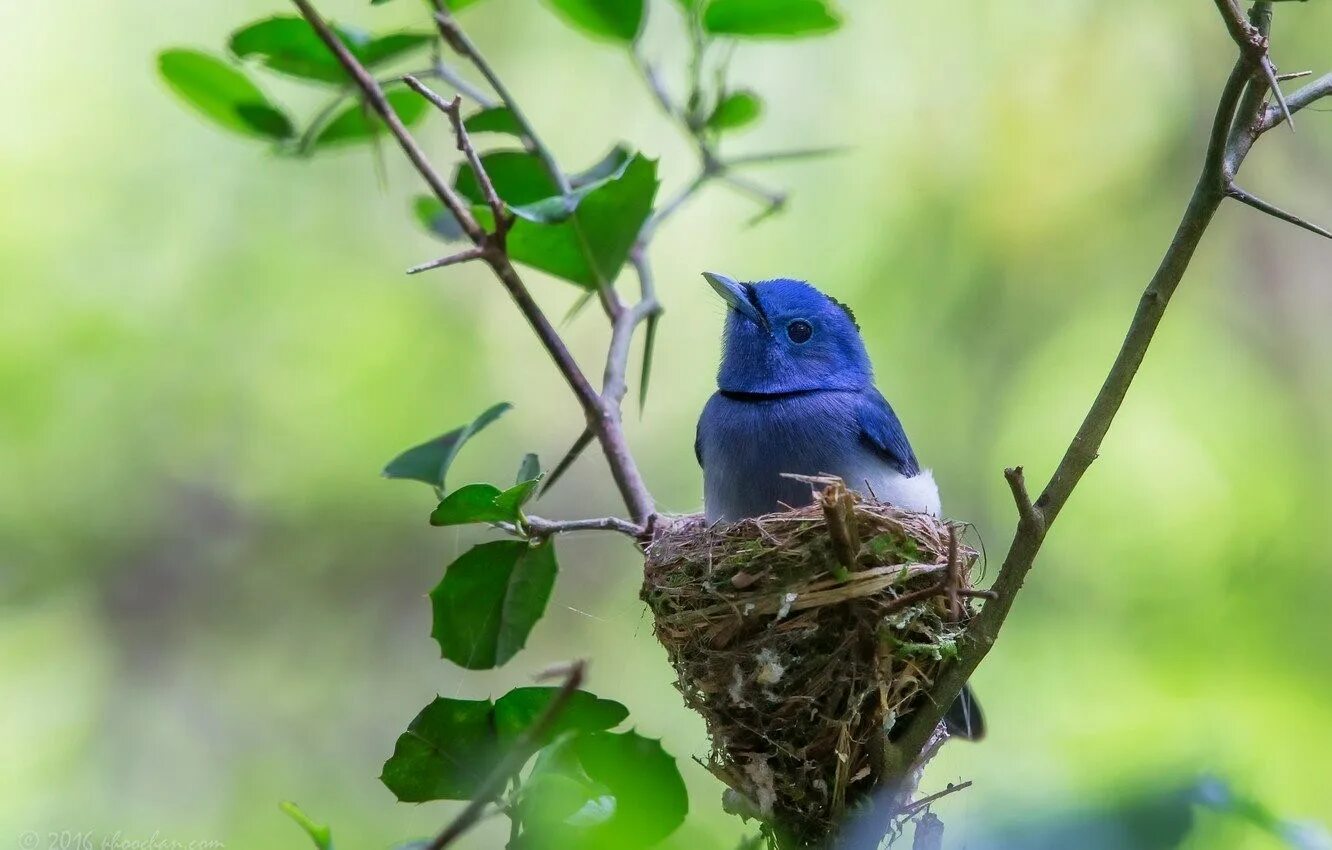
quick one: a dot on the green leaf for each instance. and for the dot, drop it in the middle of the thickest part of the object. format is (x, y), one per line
(617, 20)
(770, 18)
(632, 795)
(358, 123)
(289, 45)
(489, 600)
(452, 745)
(484, 503)
(429, 462)
(584, 239)
(436, 218)
(496, 119)
(319, 833)
(222, 93)
(608, 166)
(738, 109)
(446, 752)
(470, 503)
(517, 710)
(529, 469)
(385, 48)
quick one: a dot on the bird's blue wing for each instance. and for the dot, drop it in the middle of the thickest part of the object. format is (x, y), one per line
(882, 430)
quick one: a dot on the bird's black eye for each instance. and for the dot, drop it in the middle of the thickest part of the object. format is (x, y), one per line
(799, 331)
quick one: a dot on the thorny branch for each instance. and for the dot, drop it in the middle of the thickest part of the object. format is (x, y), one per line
(1241, 117)
(603, 416)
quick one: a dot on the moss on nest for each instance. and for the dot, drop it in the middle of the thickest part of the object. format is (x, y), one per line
(799, 635)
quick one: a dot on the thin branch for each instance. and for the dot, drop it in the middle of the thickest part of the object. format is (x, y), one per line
(527, 744)
(539, 527)
(451, 260)
(602, 420)
(657, 86)
(458, 40)
(446, 74)
(1259, 204)
(453, 109)
(1018, 484)
(1253, 44)
(918, 805)
(772, 157)
(1213, 186)
(374, 95)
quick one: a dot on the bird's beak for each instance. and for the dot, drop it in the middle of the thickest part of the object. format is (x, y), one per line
(733, 293)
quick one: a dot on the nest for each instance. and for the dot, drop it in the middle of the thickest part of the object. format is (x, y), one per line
(801, 637)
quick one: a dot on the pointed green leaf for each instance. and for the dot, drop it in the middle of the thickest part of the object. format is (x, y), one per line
(319, 833)
(470, 503)
(516, 497)
(496, 119)
(453, 744)
(529, 469)
(517, 710)
(585, 239)
(489, 600)
(446, 752)
(429, 462)
(616, 20)
(358, 123)
(738, 109)
(611, 164)
(222, 93)
(484, 503)
(289, 45)
(436, 218)
(383, 49)
(770, 18)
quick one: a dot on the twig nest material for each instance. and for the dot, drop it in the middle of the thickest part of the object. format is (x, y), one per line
(803, 636)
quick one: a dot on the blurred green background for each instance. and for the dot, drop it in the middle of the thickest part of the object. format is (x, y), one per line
(212, 603)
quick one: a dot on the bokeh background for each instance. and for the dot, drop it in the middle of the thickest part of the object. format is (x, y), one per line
(211, 602)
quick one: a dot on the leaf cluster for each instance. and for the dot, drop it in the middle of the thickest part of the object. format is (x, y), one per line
(586, 786)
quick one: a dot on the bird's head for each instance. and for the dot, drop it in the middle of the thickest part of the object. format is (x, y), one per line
(785, 336)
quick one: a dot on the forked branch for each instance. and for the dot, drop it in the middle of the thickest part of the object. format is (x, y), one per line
(1241, 117)
(603, 416)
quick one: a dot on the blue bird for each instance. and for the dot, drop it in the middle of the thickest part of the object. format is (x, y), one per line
(795, 394)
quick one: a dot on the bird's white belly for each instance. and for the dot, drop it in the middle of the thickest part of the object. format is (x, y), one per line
(872, 477)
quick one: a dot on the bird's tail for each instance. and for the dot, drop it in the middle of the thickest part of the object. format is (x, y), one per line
(964, 718)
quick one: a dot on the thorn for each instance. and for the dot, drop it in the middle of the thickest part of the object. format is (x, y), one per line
(452, 259)
(1281, 78)
(583, 301)
(649, 341)
(570, 456)
(1276, 90)
(1263, 206)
